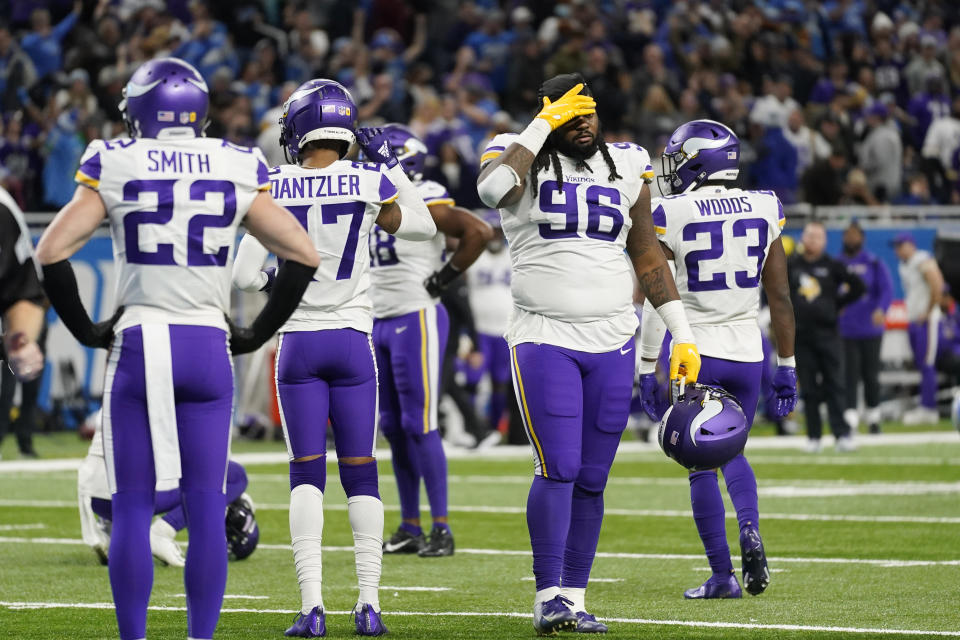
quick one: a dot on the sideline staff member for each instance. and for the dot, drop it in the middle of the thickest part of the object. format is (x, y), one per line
(21, 295)
(815, 280)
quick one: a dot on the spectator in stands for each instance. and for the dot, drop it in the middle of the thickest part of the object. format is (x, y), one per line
(918, 192)
(776, 165)
(17, 72)
(924, 66)
(43, 42)
(940, 146)
(927, 106)
(922, 284)
(823, 182)
(775, 107)
(815, 286)
(809, 144)
(881, 153)
(862, 323)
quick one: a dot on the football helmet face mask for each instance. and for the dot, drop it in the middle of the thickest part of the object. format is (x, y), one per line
(318, 110)
(410, 150)
(166, 93)
(704, 429)
(699, 151)
(243, 534)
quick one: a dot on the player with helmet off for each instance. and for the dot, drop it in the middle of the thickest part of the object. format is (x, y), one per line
(410, 335)
(174, 200)
(725, 243)
(576, 214)
(325, 364)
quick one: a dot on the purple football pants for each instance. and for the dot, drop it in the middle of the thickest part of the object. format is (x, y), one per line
(409, 351)
(196, 370)
(574, 407)
(742, 379)
(496, 364)
(327, 375)
(170, 503)
(923, 342)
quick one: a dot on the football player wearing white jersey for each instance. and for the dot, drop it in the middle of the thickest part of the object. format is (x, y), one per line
(490, 299)
(570, 205)
(725, 243)
(410, 335)
(174, 200)
(325, 366)
(922, 283)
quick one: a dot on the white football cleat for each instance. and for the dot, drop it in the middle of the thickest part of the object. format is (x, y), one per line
(814, 446)
(163, 546)
(846, 445)
(921, 415)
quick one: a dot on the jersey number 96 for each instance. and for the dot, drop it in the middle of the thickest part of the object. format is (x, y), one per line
(565, 200)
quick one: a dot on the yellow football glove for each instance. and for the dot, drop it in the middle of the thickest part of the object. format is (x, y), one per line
(567, 107)
(685, 361)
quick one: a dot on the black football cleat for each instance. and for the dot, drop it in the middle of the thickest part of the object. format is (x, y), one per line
(756, 576)
(440, 544)
(404, 542)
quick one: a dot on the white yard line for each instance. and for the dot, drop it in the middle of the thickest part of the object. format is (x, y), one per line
(22, 527)
(632, 513)
(592, 580)
(226, 596)
(517, 614)
(875, 562)
(385, 587)
(514, 452)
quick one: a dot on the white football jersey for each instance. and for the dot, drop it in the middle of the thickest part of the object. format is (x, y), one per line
(337, 205)
(400, 266)
(916, 290)
(488, 285)
(719, 238)
(571, 282)
(174, 205)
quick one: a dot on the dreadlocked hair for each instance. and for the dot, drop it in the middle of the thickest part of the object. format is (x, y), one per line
(548, 156)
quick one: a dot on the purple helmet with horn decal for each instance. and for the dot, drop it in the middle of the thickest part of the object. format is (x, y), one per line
(704, 429)
(699, 151)
(410, 150)
(165, 94)
(319, 109)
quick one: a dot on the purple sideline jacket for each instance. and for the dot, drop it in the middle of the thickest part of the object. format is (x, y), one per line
(855, 321)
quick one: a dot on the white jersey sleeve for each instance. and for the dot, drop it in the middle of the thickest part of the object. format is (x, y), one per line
(174, 206)
(720, 239)
(337, 205)
(400, 267)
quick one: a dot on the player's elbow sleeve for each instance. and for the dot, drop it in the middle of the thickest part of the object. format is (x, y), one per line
(495, 185)
(414, 225)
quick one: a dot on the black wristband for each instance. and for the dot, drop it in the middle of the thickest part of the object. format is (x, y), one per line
(447, 274)
(60, 283)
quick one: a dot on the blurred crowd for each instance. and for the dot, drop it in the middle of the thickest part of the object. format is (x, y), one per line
(839, 101)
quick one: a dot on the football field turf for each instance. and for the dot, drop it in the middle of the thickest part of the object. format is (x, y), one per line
(860, 545)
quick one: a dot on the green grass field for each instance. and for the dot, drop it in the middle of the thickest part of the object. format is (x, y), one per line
(866, 544)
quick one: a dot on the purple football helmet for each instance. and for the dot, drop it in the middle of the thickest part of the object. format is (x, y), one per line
(704, 429)
(166, 93)
(319, 109)
(243, 534)
(699, 151)
(410, 150)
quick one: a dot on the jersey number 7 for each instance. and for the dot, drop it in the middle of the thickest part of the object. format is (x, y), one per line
(329, 214)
